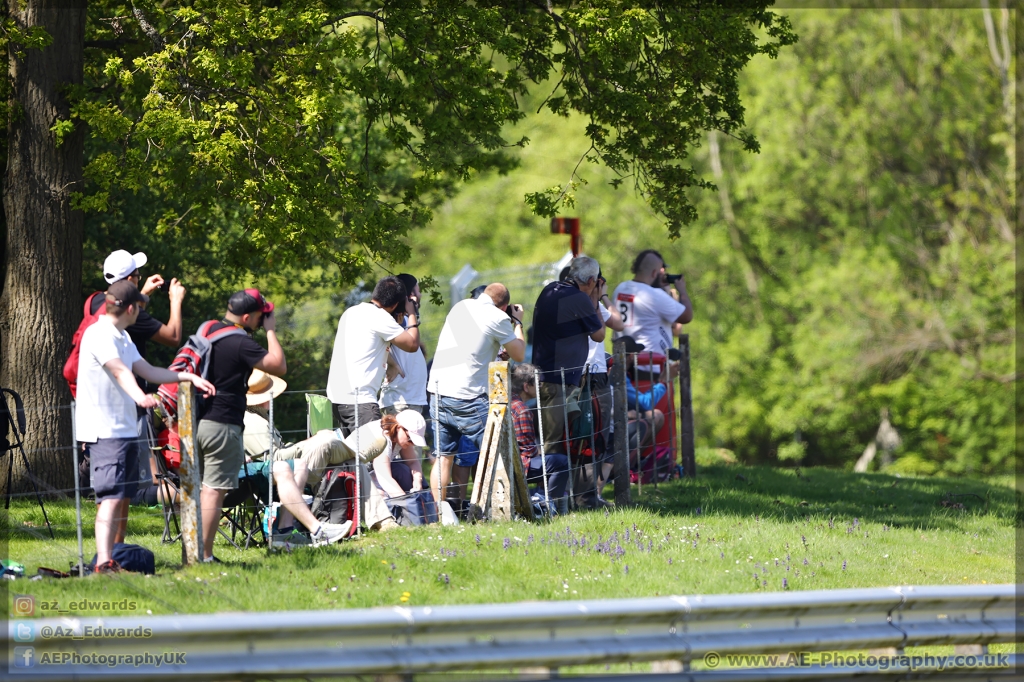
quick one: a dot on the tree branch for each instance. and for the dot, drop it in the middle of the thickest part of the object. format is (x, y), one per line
(360, 13)
(148, 28)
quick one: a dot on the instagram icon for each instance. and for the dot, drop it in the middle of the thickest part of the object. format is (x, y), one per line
(24, 605)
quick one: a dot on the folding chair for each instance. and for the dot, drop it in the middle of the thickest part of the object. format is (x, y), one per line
(244, 506)
(165, 479)
(319, 414)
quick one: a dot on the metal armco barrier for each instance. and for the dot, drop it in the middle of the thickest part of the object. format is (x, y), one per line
(504, 637)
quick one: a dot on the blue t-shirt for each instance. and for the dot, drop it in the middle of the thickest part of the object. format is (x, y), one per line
(563, 320)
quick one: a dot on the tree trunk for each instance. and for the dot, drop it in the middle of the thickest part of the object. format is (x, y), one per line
(40, 302)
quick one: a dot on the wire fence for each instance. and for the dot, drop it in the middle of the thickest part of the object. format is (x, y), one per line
(653, 420)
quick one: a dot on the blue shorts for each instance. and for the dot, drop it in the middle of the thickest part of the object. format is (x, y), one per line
(114, 468)
(460, 427)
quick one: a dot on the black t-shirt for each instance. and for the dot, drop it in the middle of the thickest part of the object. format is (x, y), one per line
(563, 320)
(140, 332)
(231, 362)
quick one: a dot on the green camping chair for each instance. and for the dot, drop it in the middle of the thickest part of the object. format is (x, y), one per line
(318, 414)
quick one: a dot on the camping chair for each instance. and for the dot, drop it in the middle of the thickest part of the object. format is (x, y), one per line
(318, 414)
(243, 507)
(165, 480)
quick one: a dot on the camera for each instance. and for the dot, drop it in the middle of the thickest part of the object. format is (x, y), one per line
(166, 286)
(671, 279)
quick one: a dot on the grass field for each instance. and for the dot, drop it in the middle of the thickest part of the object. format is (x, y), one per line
(732, 529)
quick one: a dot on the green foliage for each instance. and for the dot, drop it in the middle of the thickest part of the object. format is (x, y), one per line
(866, 260)
(322, 133)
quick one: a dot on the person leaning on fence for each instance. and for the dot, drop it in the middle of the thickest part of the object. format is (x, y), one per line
(219, 435)
(358, 360)
(106, 419)
(524, 389)
(565, 320)
(473, 332)
(290, 467)
(649, 312)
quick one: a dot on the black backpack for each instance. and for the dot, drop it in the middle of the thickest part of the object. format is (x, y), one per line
(335, 500)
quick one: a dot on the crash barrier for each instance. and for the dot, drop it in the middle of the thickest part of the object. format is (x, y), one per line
(508, 637)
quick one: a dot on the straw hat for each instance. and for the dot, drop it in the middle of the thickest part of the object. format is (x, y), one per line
(263, 386)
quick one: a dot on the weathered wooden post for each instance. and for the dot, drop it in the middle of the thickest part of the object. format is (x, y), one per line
(620, 463)
(191, 511)
(686, 437)
(499, 483)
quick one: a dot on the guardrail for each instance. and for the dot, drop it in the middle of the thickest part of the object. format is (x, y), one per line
(503, 637)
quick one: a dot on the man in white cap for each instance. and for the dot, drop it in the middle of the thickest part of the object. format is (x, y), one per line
(123, 265)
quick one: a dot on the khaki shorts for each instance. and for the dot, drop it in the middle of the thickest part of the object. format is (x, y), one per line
(321, 451)
(221, 454)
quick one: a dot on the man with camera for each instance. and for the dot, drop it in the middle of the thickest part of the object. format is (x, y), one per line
(360, 346)
(472, 334)
(219, 442)
(647, 308)
(565, 320)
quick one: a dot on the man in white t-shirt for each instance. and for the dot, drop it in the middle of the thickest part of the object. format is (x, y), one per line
(360, 351)
(648, 310)
(105, 416)
(407, 389)
(473, 332)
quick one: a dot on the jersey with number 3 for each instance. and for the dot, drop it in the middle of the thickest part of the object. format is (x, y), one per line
(647, 314)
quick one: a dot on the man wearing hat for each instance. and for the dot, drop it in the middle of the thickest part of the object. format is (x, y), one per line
(121, 265)
(291, 465)
(221, 420)
(107, 397)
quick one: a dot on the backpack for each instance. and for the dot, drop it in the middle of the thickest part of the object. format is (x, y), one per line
(193, 357)
(71, 364)
(586, 424)
(335, 499)
(132, 558)
(413, 509)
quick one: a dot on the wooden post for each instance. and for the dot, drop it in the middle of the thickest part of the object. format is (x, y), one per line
(191, 511)
(499, 485)
(686, 437)
(620, 463)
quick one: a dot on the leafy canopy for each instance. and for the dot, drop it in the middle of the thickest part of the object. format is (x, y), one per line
(306, 132)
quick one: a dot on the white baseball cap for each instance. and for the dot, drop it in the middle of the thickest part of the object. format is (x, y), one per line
(414, 424)
(120, 264)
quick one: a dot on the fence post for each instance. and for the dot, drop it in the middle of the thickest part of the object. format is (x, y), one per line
(686, 438)
(191, 511)
(620, 464)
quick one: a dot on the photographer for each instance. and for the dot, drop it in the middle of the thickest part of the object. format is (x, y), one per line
(647, 308)
(472, 334)
(218, 437)
(358, 361)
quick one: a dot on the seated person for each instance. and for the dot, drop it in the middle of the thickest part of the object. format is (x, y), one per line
(392, 474)
(523, 389)
(641, 406)
(294, 458)
(156, 491)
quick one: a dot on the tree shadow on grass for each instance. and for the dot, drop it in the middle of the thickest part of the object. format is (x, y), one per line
(795, 494)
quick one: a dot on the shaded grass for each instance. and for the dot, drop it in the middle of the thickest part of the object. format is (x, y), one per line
(809, 529)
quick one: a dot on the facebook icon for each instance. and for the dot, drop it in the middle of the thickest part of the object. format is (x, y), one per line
(24, 656)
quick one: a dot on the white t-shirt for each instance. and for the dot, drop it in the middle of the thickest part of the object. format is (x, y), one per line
(358, 361)
(104, 409)
(596, 360)
(410, 389)
(648, 314)
(472, 334)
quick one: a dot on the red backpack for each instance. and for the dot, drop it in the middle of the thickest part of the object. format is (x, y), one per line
(71, 364)
(193, 357)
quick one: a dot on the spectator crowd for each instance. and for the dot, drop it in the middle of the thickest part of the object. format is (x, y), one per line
(393, 412)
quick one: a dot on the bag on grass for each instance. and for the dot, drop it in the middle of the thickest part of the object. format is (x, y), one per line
(335, 500)
(132, 558)
(414, 509)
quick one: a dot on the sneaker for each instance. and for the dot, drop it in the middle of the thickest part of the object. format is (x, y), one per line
(293, 538)
(109, 567)
(212, 560)
(329, 533)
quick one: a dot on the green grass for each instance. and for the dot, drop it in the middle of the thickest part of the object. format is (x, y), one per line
(708, 535)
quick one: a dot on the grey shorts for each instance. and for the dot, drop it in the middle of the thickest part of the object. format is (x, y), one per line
(114, 468)
(221, 454)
